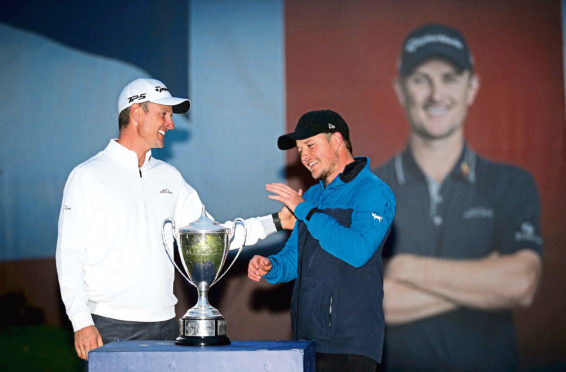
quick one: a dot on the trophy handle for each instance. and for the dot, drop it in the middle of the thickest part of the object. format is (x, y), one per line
(172, 222)
(236, 221)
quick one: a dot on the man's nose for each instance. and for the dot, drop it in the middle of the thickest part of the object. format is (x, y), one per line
(437, 91)
(169, 123)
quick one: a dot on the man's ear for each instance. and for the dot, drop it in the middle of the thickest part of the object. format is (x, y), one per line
(473, 88)
(135, 114)
(337, 139)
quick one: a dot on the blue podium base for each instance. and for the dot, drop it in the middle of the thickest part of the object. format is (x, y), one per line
(271, 356)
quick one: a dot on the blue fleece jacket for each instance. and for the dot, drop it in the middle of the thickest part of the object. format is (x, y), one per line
(334, 253)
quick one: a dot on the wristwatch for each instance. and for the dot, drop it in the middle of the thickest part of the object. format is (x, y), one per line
(277, 221)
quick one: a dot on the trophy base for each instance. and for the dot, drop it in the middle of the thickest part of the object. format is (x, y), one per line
(202, 341)
(202, 331)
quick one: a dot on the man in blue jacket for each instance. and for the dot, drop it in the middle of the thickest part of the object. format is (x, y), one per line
(334, 251)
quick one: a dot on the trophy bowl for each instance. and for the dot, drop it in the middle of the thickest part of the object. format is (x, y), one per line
(203, 247)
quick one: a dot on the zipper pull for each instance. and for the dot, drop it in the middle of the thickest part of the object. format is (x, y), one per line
(330, 314)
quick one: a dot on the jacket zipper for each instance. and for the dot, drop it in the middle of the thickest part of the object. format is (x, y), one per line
(330, 314)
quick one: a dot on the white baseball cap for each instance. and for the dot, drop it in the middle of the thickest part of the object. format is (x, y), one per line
(151, 90)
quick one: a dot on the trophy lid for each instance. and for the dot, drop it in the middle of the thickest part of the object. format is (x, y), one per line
(204, 225)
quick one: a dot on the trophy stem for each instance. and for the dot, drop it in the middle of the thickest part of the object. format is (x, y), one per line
(202, 302)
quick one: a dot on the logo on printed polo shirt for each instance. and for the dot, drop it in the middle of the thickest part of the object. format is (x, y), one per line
(478, 212)
(166, 191)
(376, 217)
(528, 233)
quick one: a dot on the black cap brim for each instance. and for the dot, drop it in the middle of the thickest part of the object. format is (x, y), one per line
(435, 53)
(182, 107)
(289, 140)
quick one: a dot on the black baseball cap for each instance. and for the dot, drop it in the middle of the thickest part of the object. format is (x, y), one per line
(435, 41)
(313, 123)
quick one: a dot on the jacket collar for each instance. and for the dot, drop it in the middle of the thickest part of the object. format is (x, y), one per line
(350, 172)
(125, 155)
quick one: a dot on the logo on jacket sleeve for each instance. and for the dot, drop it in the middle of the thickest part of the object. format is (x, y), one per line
(376, 217)
(166, 191)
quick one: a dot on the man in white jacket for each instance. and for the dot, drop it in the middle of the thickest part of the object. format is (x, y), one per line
(115, 278)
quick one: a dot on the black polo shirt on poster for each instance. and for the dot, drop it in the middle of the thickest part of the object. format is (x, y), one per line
(480, 208)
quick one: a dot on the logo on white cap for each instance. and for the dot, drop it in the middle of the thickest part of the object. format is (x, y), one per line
(150, 90)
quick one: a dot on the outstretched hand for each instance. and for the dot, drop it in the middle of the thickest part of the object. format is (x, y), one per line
(285, 195)
(287, 217)
(258, 267)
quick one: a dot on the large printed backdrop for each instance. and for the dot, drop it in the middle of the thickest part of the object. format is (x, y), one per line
(251, 68)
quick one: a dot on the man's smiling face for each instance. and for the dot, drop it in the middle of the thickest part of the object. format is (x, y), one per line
(154, 123)
(436, 98)
(319, 155)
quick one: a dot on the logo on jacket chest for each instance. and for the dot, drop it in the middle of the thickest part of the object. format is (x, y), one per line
(166, 191)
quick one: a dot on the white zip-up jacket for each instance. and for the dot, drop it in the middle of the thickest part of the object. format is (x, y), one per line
(110, 255)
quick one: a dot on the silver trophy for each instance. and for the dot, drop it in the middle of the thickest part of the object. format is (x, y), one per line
(203, 247)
